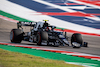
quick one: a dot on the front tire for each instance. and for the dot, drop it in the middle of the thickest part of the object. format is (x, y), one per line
(16, 35)
(76, 37)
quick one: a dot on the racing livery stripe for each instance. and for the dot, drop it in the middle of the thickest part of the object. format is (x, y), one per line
(89, 56)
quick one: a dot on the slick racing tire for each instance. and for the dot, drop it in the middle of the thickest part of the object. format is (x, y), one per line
(16, 35)
(41, 36)
(76, 37)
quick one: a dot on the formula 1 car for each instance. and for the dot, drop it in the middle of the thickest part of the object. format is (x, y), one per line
(43, 33)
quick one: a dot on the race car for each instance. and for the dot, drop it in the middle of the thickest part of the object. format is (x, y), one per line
(44, 33)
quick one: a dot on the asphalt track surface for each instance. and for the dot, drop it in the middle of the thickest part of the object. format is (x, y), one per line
(93, 46)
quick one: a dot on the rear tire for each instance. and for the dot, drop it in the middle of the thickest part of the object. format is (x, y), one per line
(16, 35)
(76, 37)
(41, 36)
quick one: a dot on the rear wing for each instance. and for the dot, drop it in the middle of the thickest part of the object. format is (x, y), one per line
(22, 23)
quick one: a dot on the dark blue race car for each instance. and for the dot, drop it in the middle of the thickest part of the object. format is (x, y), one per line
(43, 33)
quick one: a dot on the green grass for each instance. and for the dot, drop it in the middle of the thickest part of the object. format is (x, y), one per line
(15, 59)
